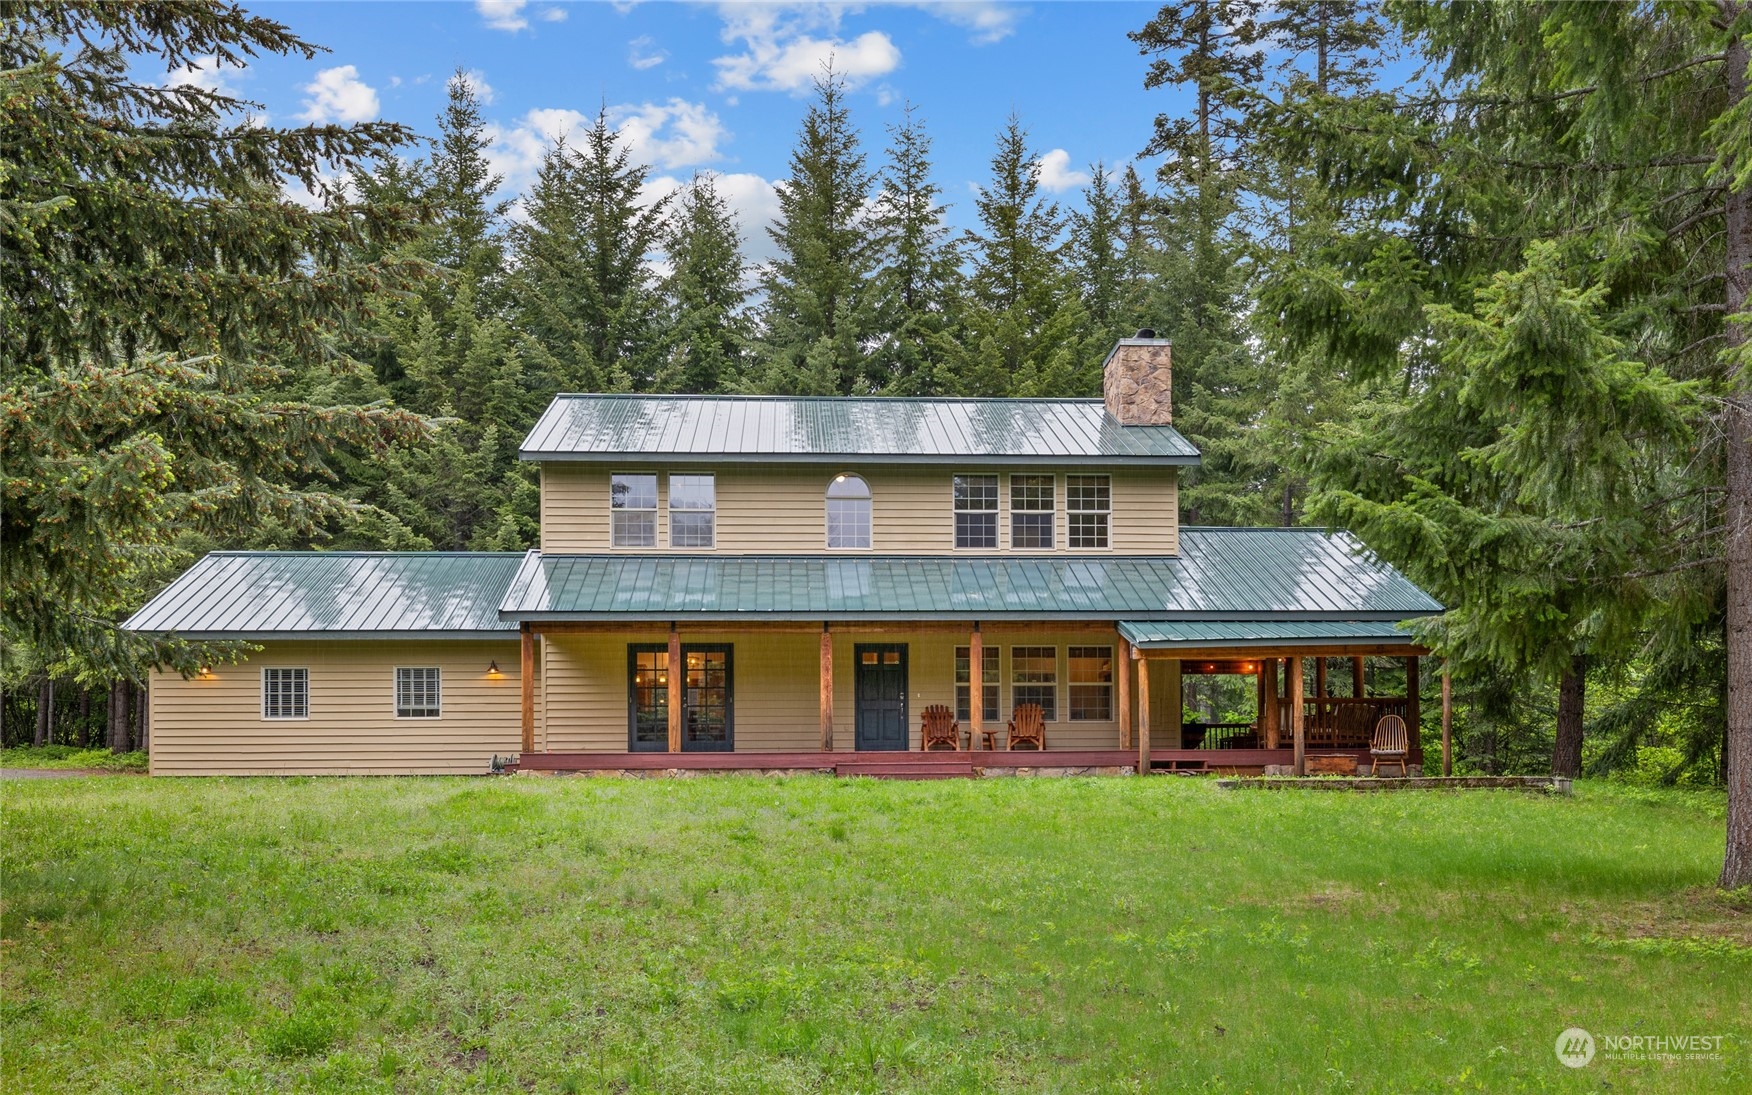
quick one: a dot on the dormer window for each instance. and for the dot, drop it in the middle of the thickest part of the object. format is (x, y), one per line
(976, 511)
(848, 512)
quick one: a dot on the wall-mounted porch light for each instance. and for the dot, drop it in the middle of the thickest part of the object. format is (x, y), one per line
(493, 669)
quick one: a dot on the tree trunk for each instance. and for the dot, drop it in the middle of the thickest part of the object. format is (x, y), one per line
(1737, 858)
(85, 718)
(45, 720)
(118, 716)
(1566, 758)
(142, 718)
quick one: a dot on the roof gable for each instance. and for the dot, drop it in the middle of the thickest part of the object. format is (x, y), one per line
(606, 427)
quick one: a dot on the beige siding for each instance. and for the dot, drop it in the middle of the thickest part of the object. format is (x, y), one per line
(777, 686)
(213, 725)
(781, 507)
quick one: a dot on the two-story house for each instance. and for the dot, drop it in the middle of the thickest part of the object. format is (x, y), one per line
(787, 584)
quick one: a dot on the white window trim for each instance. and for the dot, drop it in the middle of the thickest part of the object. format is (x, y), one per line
(825, 522)
(263, 707)
(1008, 501)
(999, 540)
(1109, 511)
(1111, 684)
(656, 512)
(1059, 713)
(667, 520)
(395, 694)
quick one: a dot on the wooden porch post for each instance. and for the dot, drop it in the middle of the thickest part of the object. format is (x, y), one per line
(1415, 755)
(1358, 685)
(1143, 713)
(1447, 723)
(1124, 685)
(676, 672)
(826, 688)
(1320, 678)
(975, 687)
(1297, 730)
(1271, 703)
(526, 667)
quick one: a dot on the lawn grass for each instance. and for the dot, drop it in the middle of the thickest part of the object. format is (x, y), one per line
(811, 934)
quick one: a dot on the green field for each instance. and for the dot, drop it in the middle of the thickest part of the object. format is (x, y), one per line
(810, 934)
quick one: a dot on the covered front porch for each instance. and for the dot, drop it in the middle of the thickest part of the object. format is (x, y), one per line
(850, 697)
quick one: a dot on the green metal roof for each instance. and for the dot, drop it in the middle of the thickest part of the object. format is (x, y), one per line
(1168, 634)
(773, 428)
(1221, 574)
(313, 594)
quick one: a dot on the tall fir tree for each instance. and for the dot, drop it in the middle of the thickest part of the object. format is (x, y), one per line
(918, 285)
(708, 331)
(818, 315)
(1023, 314)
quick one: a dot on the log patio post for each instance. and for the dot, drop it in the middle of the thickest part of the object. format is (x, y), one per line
(826, 688)
(526, 670)
(676, 672)
(1358, 685)
(1143, 713)
(1297, 730)
(1125, 700)
(1412, 721)
(1272, 724)
(975, 687)
(1447, 723)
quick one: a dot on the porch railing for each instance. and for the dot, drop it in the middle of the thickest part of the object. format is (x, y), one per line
(1340, 722)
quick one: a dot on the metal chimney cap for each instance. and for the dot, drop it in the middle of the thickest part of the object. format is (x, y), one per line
(1146, 332)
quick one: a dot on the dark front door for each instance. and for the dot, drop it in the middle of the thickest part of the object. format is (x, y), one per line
(881, 695)
(708, 705)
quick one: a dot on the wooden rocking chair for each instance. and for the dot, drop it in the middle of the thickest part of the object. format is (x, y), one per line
(939, 730)
(1027, 728)
(1389, 744)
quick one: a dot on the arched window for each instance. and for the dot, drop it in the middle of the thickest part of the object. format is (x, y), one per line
(848, 512)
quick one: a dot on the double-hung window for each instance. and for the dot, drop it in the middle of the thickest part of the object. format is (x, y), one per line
(1091, 670)
(418, 694)
(1032, 505)
(964, 682)
(976, 511)
(1088, 504)
(1034, 677)
(285, 693)
(632, 503)
(693, 510)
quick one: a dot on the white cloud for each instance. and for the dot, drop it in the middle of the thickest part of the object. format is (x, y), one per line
(504, 15)
(754, 200)
(476, 81)
(670, 135)
(208, 73)
(642, 56)
(986, 21)
(338, 95)
(782, 52)
(667, 135)
(552, 15)
(1057, 174)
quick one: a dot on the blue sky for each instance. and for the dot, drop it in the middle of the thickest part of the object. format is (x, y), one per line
(721, 87)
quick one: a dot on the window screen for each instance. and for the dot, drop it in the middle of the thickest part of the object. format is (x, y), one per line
(286, 694)
(1088, 502)
(632, 501)
(693, 504)
(1091, 669)
(976, 511)
(417, 693)
(1034, 677)
(1032, 502)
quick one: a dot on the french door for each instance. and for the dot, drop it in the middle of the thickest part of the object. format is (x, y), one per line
(707, 697)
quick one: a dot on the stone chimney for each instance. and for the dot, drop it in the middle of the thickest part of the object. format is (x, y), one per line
(1137, 381)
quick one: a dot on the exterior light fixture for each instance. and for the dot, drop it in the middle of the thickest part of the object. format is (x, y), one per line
(493, 668)
(205, 673)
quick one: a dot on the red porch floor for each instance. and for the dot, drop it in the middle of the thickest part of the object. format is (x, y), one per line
(917, 764)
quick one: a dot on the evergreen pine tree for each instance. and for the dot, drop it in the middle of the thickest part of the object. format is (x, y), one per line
(918, 284)
(705, 296)
(819, 315)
